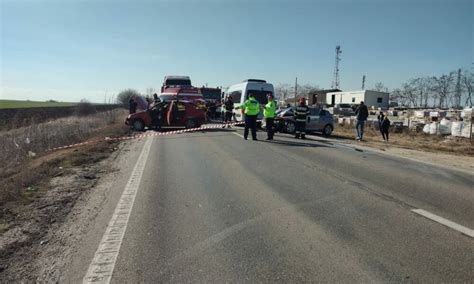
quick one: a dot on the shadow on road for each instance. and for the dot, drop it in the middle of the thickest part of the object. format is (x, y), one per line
(294, 144)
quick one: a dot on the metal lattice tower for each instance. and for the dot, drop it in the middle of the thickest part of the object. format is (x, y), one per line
(335, 80)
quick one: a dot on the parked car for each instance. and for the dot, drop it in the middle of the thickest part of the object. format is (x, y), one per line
(319, 120)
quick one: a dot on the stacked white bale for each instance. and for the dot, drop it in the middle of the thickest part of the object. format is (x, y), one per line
(466, 129)
(456, 128)
(466, 113)
(426, 129)
(445, 126)
(419, 114)
(434, 127)
(451, 114)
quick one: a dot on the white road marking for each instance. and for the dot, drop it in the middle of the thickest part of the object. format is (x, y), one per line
(238, 134)
(102, 266)
(446, 222)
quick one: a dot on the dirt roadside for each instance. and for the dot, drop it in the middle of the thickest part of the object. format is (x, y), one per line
(39, 224)
(451, 153)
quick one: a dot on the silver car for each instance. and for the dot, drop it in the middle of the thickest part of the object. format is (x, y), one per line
(319, 120)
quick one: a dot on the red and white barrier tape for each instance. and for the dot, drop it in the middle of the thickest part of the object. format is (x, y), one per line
(145, 135)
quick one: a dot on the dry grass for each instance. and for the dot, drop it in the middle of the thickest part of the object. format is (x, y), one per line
(410, 140)
(19, 169)
(21, 144)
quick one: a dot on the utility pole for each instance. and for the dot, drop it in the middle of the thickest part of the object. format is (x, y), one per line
(457, 91)
(363, 82)
(296, 89)
(335, 80)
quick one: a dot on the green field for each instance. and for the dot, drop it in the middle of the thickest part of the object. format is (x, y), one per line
(30, 104)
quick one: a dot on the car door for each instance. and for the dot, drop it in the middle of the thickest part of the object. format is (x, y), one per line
(324, 116)
(313, 119)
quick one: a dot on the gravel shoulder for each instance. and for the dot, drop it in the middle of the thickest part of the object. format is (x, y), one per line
(41, 227)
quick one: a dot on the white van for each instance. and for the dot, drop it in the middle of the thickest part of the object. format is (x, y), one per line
(240, 93)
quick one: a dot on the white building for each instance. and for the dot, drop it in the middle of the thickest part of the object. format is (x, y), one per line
(370, 98)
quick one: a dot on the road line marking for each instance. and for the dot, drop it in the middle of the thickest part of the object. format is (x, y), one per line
(102, 265)
(446, 222)
(238, 134)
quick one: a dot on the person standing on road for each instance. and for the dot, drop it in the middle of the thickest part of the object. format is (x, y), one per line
(380, 118)
(132, 105)
(301, 115)
(156, 99)
(269, 114)
(251, 108)
(362, 113)
(384, 128)
(156, 111)
(228, 106)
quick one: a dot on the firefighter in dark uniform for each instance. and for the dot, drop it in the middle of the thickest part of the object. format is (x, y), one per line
(156, 111)
(229, 106)
(301, 115)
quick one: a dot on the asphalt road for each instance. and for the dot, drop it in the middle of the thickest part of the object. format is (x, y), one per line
(211, 207)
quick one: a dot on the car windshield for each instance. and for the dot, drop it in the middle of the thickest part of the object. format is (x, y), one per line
(167, 98)
(260, 96)
(178, 82)
(210, 94)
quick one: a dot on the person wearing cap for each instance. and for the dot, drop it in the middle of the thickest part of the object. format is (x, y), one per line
(269, 114)
(301, 115)
(250, 108)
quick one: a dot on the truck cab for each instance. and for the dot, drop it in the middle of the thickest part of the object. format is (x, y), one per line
(176, 82)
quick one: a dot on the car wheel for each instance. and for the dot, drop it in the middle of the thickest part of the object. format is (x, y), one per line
(327, 130)
(190, 123)
(290, 127)
(138, 125)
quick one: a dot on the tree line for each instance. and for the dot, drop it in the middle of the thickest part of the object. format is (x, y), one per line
(448, 90)
(454, 89)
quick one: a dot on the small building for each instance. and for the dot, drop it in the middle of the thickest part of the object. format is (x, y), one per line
(319, 96)
(370, 98)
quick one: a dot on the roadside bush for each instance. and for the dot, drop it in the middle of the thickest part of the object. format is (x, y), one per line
(85, 108)
(124, 96)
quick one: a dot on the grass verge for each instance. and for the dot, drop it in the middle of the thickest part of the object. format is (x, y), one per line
(410, 140)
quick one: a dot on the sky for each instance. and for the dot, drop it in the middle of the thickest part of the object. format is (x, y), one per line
(71, 50)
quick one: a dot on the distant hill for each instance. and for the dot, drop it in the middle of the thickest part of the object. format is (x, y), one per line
(30, 104)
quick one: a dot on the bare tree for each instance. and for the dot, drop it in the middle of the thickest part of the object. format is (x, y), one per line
(468, 85)
(380, 87)
(442, 87)
(284, 91)
(305, 90)
(149, 92)
(422, 87)
(398, 96)
(410, 94)
(124, 96)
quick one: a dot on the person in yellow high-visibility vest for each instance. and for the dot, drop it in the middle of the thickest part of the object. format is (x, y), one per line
(251, 108)
(269, 114)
